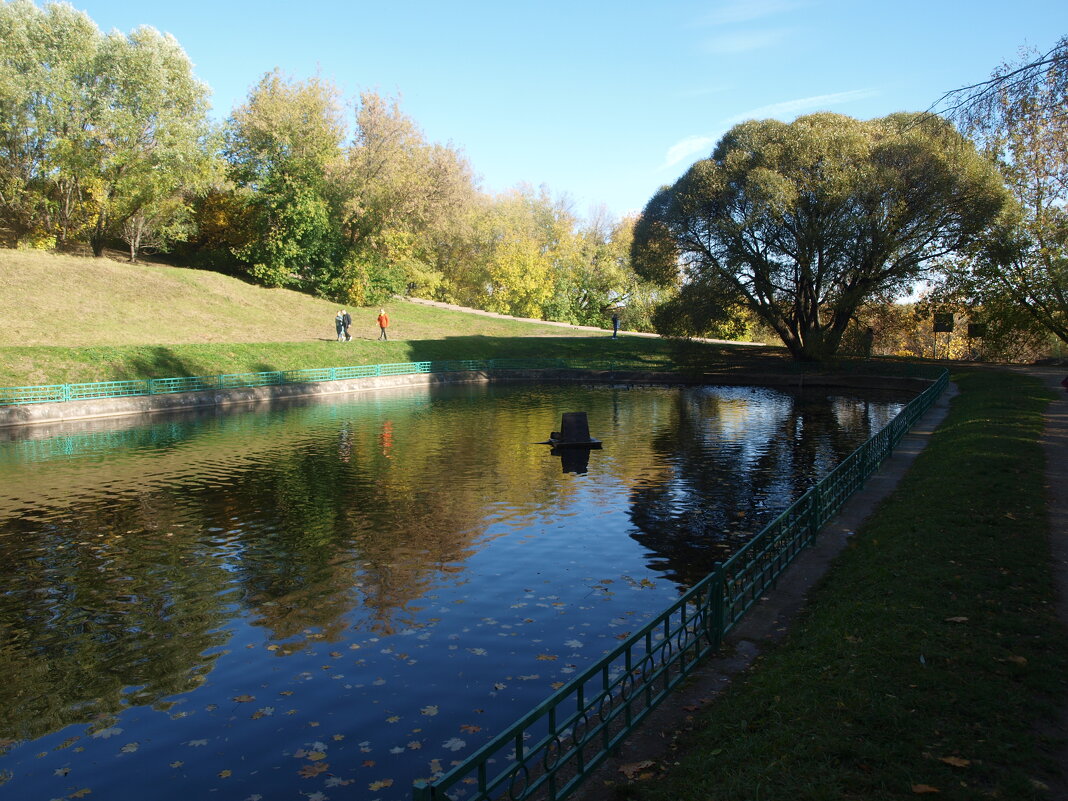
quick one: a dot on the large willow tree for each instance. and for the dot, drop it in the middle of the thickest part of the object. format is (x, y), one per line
(803, 222)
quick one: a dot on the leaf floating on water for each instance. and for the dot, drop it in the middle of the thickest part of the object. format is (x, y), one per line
(380, 785)
(316, 756)
(469, 728)
(111, 731)
(225, 774)
(313, 770)
(80, 793)
(546, 658)
(429, 711)
(177, 764)
(454, 744)
(197, 743)
(129, 748)
(244, 699)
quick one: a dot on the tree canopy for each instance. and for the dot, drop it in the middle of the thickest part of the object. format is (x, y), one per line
(802, 222)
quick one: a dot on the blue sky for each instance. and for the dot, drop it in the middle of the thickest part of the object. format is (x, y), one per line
(603, 102)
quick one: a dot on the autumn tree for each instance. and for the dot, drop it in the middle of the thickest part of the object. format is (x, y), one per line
(802, 222)
(403, 201)
(1018, 275)
(46, 59)
(280, 145)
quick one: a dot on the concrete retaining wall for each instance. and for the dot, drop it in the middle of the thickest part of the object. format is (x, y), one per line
(42, 413)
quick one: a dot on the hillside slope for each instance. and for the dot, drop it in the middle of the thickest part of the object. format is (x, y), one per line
(73, 301)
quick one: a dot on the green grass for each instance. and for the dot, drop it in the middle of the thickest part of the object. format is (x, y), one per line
(932, 638)
(69, 319)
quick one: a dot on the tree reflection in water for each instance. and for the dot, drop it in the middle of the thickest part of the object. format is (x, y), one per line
(361, 591)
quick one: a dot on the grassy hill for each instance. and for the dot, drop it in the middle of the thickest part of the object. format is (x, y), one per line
(70, 319)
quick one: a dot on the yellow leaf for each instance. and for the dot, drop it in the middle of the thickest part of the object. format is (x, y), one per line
(956, 762)
(380, 784)
(546, 657)
(635, 768)
(225, 774)
(315, 756)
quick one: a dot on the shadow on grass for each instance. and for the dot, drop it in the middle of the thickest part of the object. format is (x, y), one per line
(163, 362)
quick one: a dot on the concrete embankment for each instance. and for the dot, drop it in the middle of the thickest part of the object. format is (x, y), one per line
(42, 413)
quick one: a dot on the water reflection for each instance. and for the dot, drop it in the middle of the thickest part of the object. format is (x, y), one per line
(357, 592)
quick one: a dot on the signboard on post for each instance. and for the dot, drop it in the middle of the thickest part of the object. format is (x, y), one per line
(943, 322)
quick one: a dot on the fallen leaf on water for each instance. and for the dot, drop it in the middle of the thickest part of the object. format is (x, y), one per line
(315, 756)
(244, 699)
(225, 774)
(177, 764)
(469, 728)
(80, 793)
(368, 763)
(634, 768)
(956, 762)
(380, 785)
(546, 658)
(924, 788)
(313, 770)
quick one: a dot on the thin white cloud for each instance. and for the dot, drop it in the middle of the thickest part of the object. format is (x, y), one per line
(793, 107)
(685, 148)
(745, 41)
(736, 11)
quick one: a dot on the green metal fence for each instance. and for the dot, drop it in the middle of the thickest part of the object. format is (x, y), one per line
(548, 752)
(58, 393)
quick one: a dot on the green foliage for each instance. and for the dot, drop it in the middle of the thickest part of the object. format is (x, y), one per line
(803, 222)
(279, 146)
(102, 135)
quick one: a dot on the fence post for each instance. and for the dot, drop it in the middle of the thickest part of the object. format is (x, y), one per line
(66, 392)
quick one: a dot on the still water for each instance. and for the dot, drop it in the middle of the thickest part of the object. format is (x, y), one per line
(333, 599)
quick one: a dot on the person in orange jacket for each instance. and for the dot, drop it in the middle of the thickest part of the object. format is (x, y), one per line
(383, 323)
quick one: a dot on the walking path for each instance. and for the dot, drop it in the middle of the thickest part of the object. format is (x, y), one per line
(1055, 446)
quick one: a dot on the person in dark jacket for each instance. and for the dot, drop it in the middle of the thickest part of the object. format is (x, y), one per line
(346, 321)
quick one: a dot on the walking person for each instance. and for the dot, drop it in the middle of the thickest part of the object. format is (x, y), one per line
(615, 326)
(383, 324)
(346, 321)
(339, 324)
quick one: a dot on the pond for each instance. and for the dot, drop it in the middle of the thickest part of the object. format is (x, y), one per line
(334, 599)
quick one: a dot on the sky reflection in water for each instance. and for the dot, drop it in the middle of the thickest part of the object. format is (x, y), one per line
(330, 600)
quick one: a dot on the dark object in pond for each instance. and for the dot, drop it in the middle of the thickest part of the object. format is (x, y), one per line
(574, 433)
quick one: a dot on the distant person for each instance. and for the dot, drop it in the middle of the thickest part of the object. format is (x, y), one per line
(615, 326)
(383, 323)
(339, 324)
(346, 321)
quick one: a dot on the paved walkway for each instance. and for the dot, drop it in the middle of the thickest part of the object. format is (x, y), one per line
(1055, 445)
